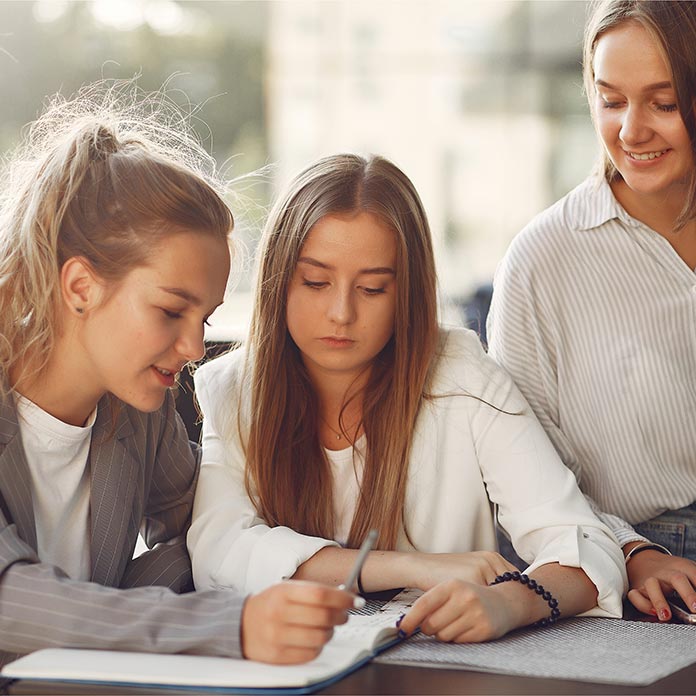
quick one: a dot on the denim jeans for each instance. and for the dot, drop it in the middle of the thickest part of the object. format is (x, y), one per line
(675, 529)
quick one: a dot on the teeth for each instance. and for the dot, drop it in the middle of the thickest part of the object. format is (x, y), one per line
(166, 373)
(646, 155)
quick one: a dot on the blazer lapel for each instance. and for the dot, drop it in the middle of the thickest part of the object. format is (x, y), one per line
(115, 480)
(15, 482)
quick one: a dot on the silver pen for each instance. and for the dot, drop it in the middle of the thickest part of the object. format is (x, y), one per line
(365, 548)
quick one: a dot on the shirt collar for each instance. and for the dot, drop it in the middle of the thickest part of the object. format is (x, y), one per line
(600, 205)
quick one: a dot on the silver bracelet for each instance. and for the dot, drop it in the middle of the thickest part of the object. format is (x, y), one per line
(645, 547)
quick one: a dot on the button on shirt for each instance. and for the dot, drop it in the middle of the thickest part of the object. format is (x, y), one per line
(594, 316)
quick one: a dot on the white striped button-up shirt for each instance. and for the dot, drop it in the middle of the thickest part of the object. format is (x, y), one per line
(594, 316)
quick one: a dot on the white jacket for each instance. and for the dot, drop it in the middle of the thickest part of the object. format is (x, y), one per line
(466, 456)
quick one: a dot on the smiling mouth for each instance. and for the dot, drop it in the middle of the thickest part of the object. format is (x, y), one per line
(643, 156)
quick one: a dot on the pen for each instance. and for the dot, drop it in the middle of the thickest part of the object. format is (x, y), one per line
(357, 566)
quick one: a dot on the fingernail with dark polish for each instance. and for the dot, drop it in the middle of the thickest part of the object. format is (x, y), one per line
(664, 615)
(399, 620)
(653, 612)
(402, 634)
(693, 607)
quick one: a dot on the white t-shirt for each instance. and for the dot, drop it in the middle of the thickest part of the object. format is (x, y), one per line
(347, 475)
(57, 454)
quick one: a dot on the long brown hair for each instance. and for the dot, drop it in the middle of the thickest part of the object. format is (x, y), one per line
(105, 176)
(287, 472)
(673, 27)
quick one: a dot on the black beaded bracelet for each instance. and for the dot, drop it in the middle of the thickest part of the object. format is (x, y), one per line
(533, 585)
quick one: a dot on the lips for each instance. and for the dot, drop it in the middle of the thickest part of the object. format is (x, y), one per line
(167, 377)
(337, 341)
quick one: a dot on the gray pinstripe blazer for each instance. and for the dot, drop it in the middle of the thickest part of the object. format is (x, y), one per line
(143, 473)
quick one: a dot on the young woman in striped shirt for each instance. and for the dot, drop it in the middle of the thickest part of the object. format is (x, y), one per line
(594, 308)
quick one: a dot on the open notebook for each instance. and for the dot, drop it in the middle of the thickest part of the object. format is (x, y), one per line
(352, 645)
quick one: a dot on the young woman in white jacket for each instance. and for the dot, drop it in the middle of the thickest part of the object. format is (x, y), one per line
(350, 409)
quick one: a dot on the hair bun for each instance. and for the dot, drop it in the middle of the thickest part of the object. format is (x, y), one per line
(103, 142)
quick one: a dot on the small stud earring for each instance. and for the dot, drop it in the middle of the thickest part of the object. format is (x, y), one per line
(80, 310)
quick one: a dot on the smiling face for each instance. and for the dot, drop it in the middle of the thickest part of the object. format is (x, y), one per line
(638, 120)
(151, 324)
(342, 295)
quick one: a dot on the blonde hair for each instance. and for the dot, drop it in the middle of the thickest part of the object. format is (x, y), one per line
(673, 27)
(105, 176)
(287, 472)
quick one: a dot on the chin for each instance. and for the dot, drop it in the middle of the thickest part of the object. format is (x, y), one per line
(146, 404)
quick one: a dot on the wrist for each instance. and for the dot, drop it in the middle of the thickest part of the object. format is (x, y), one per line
(529, 608)
(634, 548)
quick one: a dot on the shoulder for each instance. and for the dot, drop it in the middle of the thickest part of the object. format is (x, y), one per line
(550, 232)
(462, 365)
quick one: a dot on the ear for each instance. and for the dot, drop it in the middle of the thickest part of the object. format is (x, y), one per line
(80, 286)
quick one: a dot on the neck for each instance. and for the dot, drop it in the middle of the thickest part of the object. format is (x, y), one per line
(660, 214)
(659, 211)
(59, 388)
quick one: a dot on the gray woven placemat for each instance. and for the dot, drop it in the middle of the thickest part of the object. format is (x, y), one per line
(608, 651)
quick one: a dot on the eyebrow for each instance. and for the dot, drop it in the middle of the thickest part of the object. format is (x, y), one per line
(183, 294)
(378, 270)
(648, 88)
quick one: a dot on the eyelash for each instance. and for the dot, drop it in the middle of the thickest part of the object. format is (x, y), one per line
(177, 315)
(666, 108)
(319, 285)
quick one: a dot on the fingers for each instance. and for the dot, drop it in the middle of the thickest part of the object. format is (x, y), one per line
(685, 589)
(310, 615)
(290, 622)
(423, 607)
(453, 611)
(496, 565)
(314, 594)
(641, 602)
(653, 589)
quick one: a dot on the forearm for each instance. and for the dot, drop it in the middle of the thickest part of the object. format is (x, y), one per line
(572, 589)
(41, 609)
(382, 570)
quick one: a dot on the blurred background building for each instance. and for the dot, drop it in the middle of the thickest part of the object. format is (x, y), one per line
(479, 101)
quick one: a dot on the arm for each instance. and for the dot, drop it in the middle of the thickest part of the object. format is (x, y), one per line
(40, 607)
(460, 612)
(523, 339)
(574, 556)
(230, 545)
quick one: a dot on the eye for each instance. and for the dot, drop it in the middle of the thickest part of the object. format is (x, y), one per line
(373, 291)
(610, 105)
(666, 107)
(314, 285)
(172, 315)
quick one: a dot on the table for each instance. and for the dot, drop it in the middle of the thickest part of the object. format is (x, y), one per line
(377, 678)
(395, 679)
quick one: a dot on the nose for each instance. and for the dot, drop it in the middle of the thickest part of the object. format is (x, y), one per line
(634, 127)
(342, 307)
(190, 344)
